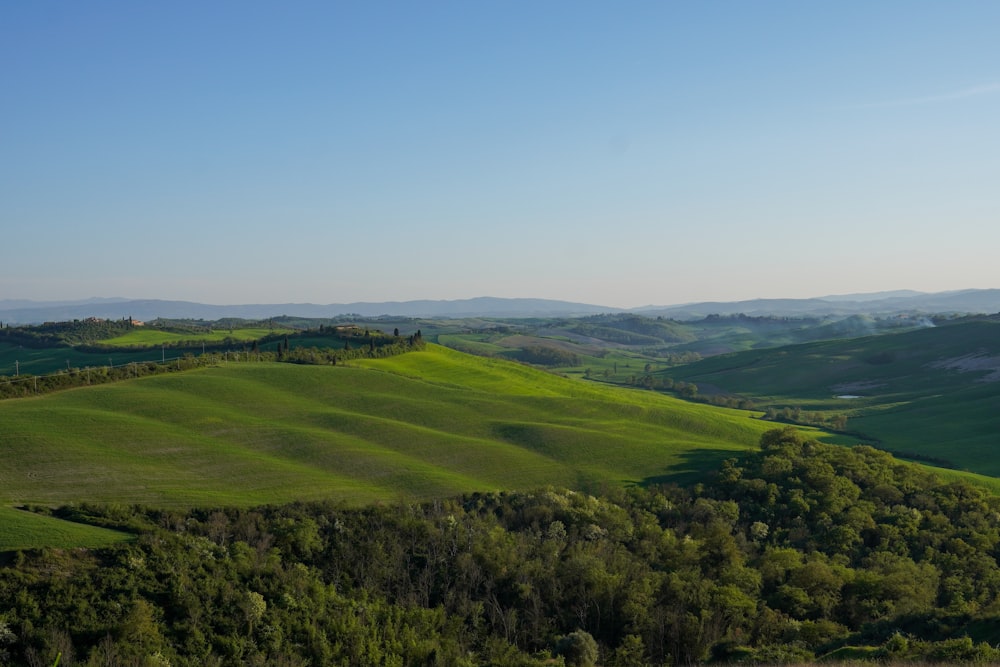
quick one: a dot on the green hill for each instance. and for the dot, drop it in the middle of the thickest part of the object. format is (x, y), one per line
(419, 425)
(931, 392)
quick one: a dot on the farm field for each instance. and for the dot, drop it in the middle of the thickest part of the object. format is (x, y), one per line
(931, 392)
(45, 360)
(149, 336)
(419, 425)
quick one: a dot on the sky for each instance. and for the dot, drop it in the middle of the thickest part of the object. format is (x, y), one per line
(612, 153)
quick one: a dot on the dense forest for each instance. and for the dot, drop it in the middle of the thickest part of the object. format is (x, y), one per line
(789, 553)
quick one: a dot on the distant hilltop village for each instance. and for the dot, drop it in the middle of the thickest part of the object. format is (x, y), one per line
(135, 323)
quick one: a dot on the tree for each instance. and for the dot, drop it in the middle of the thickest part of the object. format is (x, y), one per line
(630, 653)
(254, 607)
(578, 649)
(689, 390)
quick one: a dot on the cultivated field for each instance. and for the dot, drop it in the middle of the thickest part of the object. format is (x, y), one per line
(148, 336)
(419, 425)
(933, 392)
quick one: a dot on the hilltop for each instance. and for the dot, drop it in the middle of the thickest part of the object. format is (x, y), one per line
(418, 425)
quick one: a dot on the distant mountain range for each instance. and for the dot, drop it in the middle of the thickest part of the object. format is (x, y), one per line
(26, 312)
(876, 303)
(20, 311)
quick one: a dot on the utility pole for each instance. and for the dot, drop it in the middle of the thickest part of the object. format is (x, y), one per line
(17, 368)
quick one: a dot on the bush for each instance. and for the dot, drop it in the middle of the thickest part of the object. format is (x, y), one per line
(578, 649)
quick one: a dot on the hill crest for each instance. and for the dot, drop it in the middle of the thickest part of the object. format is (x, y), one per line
(22, 311)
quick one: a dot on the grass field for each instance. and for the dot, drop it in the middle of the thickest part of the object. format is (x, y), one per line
(152, 337)
(933, 392)
(25, 530)
(618, 364)
(414, 426)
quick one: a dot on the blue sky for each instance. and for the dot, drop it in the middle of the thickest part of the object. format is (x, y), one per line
(614, 153)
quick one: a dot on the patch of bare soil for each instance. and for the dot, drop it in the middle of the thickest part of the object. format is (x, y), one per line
(976, 362)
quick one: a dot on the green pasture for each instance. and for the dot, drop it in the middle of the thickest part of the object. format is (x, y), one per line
(20, 529)
(612, 364)
(473, 343)
(929, 392)
(419, 425)
(151, 337)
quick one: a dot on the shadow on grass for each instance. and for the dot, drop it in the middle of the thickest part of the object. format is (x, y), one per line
(695, 465)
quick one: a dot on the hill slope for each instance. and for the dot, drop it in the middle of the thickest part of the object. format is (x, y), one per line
(933, 392)
(423, 424)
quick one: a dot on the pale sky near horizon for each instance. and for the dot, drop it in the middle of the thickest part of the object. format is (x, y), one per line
(620, 154)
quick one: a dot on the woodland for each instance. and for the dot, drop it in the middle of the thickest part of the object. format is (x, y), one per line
(794, 552)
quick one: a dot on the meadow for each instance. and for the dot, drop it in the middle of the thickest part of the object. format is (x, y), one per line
(152, 337)
(26, 530)
(931, 392)
(420, 425)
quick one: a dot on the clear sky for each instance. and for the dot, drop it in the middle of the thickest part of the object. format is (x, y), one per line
(615, 153)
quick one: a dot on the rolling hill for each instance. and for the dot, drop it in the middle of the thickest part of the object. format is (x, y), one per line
(419, 425)
(931, 392)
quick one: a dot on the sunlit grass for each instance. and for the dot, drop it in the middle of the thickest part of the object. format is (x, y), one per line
(149, 336)
(418, 425)
(20, 529)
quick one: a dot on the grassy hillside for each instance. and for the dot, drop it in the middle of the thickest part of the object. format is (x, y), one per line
(26, 530)
(148, 336)
(933, 392)
(414, 426)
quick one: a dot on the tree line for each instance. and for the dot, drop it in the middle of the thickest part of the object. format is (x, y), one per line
(369, 346)
(75, 332)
